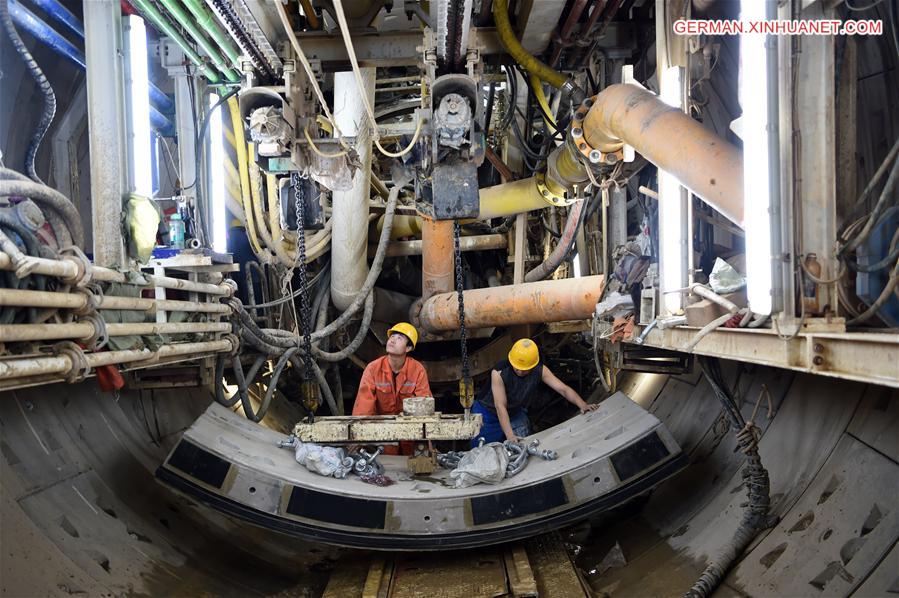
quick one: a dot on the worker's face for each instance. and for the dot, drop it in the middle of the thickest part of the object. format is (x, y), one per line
(398, 344)
(520, 373)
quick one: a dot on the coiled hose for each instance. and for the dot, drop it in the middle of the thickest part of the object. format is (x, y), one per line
(43, 84)
(563, 246)
(59, 210)
(282, 342)
(283, 339)
(242, 393)
(8, 223)
(755, 478)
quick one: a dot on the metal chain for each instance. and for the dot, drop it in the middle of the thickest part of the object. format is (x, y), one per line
(305, 322)
(466, 387)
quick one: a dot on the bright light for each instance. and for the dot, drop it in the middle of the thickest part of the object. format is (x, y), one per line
(672, 243)
(576, 265)
(756, 190)
(139, 94)
(670, 90)
(217, 178)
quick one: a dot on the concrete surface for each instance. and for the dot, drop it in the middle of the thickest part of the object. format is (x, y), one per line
(81, 511)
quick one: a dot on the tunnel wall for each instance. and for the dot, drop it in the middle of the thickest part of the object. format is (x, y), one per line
(79, 497)
(831, 449)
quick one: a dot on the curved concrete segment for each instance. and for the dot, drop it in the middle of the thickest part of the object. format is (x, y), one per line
(605, 458)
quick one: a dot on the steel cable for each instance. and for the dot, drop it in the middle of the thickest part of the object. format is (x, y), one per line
(49, 109)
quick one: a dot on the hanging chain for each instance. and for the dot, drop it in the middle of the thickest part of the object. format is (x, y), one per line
(308, 388)
(466, 386)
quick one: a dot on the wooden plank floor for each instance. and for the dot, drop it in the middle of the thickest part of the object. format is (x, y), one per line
(538, 567)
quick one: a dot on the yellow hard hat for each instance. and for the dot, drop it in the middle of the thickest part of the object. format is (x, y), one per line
(524, 354)
(406, 329)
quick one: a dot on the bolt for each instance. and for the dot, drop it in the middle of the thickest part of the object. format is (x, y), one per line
(818, 348)
(818, 360)
(611, 158)
(577, 132)
(595, 156)
(545, 193)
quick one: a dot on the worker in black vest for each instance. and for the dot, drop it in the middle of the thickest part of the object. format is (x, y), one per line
(504, 401)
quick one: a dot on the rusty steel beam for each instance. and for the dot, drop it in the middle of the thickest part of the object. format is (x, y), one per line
(706, 164)
(528, 303)
(469, 243)
(437, 261)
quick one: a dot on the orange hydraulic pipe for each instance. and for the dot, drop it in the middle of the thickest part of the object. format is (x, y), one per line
(706, 164)
(528, 303)
(437, 257)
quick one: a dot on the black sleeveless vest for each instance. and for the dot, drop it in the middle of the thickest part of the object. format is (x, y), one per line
(519, 389)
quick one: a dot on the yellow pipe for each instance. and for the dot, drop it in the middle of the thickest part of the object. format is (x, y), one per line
(510, 42)
(242, 163)
(506, 199)
(311, 17)
(256, 199)
(229, 137)
(541, 99)
(511, 198)
(231, 173)
(403, 226)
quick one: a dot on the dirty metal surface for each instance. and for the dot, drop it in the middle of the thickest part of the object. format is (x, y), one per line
(455, 191)
(388, 428)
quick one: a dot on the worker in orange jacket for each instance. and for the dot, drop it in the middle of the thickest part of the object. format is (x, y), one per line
(388, 380)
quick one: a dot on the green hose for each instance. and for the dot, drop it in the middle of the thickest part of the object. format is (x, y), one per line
(185, 20)
(211, 26)
(530, 62)
(164, 25)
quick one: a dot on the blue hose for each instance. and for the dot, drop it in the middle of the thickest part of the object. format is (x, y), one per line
(61, 15)
(45, 34)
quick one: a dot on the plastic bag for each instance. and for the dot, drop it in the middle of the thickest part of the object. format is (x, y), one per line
(141, 225)
(615, 304)
(481, 465)
(725, 278)
(328, 461)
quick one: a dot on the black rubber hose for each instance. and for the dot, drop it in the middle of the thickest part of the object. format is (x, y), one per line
(220, 374)
(563, 246)
(43, 84)
(755, 478)
(32, 248)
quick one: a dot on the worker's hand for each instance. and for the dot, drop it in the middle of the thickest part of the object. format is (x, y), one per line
(513, 438)
(585, 407)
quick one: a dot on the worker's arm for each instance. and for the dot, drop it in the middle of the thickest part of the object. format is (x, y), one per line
(366, 401)
(566, 391)
(499, 402)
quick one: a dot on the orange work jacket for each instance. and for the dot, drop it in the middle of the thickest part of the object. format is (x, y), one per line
(382, 393)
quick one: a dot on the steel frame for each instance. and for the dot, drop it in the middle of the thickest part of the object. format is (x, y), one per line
(864, 357)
